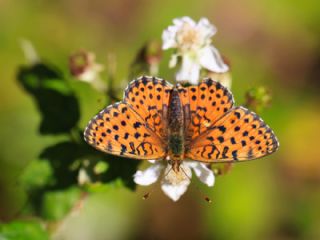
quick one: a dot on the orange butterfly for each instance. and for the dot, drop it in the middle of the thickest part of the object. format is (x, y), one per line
(159, 121)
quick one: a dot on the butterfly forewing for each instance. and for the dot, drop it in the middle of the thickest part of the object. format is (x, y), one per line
(204, 105)
(119, 130)
(149, 97)
(239, 135)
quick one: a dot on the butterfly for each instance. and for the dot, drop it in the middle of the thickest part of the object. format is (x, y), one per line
(157, 120)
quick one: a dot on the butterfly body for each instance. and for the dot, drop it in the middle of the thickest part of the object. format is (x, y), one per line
(159, 121)
(176, 135)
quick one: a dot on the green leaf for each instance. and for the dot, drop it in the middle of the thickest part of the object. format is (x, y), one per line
(121, 169)
(55, 99)
(57, 170)
(37, 174)
(62, 158)
(57, 204)
(23, 230)
(108, 169)
(100, 167)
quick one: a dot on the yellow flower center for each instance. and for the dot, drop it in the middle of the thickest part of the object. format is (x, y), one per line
(175, 178)
(188, 37)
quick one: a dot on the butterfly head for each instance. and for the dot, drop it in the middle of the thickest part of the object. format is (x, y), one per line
(175, 165)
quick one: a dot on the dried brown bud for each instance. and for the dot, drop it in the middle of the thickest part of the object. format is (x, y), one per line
(83, 66)
(221, 168)
(147, 59)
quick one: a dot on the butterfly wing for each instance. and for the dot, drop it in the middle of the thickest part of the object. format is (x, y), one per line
(204, 105)
(149, 98)
(239, 135)
(119, 130)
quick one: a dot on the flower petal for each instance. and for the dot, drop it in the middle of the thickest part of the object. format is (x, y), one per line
(169, 37)
(148, 176)
(210, 59)
(189, 71)
(175, 191)
(184, 20)
(202, 172)
(206, 29)
(173, 60)
(174, 185)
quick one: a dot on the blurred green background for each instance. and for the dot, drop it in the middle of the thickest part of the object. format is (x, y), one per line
(271, 43)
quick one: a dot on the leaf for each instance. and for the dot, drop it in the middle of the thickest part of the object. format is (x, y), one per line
(63, 159)
(107, 169)
(55, 99)
(66, 159)
(57, 204)
(36, 175)
(23, 230)
(100, 167)
(120, 169)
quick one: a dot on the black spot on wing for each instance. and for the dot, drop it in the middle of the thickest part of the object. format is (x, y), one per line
(235, 155)
(123, 149)
(220, 139)
(137, 125)
(213, 148)
(224, 151)
(222, 128)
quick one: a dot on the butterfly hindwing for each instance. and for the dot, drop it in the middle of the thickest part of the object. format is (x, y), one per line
(149, 97)
(203, 105)
(239, 135)
(119, 130)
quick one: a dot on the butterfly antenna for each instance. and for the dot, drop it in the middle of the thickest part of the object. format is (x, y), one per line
(205, 197)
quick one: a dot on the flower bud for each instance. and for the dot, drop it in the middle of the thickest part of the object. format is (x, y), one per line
(258, 98)
(147, 59)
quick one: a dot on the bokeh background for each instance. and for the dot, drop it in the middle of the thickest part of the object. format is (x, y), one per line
(271, 43)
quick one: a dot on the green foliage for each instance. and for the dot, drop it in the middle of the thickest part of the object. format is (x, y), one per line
(54, 183)
(57, 204)
(63, 158)
(36, 175)
(55, 99)
(23, 230)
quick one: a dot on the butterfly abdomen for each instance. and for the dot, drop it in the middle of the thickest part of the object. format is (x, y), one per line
(175, 126)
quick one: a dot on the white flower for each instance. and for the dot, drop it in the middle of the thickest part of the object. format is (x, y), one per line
(173, 184)
(192, 42)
